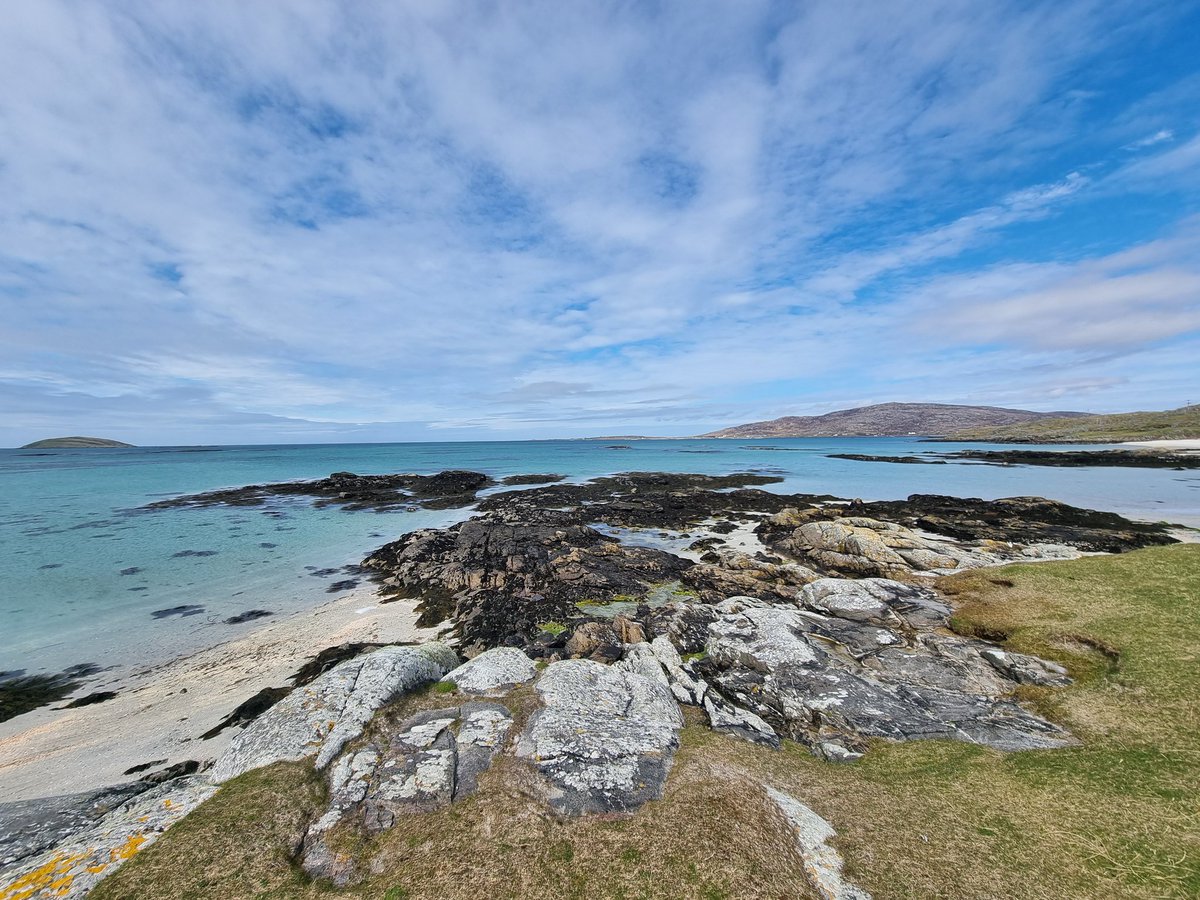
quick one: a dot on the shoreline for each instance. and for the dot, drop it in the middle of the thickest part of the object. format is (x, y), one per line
(160, 711)
(1177, 444)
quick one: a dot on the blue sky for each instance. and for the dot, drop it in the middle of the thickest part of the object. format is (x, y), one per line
(230, 222)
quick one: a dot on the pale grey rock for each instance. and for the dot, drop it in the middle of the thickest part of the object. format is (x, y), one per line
(861, 600)
(822, 863)
(424, 765)
(321, 717)
(641, 660)
(877, 601)
(760, 637)
(685, 685)
(1025, 669)
(684, 624)
(924, 559)
(27, 827)
(493, 672)
(73, 867)
(604, 739)
(855, 639)
(725, 718)
(764, 660)
(853, 549)
(1051, 551)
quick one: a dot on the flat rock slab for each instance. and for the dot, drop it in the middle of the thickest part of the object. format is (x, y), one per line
(321, 717)
(27, 827)
(605, 737)
(876, 601)
(788, 667)
(493, 672)
(428, 762)
(75, 866)
(822, 863)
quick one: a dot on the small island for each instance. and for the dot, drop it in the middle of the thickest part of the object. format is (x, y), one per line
(73, 443)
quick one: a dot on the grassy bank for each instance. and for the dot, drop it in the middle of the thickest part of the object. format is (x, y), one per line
(1116, 816)
(1172, 424)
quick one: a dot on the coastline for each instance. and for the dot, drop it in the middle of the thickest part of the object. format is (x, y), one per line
(55, 751)
(161, 711)
(1179, 444)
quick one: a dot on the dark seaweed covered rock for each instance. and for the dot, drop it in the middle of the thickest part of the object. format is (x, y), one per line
(1137, 459)
(648, 499)
(503, 579)
(1024, 520)
(442, 490)
(21, 693)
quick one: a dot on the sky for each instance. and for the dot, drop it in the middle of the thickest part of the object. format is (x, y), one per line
(301, 221)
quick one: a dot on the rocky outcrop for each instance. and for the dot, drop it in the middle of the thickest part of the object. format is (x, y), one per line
(493, 672)
(530, 569)
(829, 682)
(604, 739)
(320, 717)
(442, 490)
(876, 601)
(725, 573)
(1135, 459)
(1018, 520)
(500, 579)
(822, 863)
(74, 866)
(426, 763)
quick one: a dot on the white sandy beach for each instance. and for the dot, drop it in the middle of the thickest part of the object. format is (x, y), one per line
(1183, 444)
(160, 712)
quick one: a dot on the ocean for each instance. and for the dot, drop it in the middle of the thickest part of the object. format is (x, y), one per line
(83, 571)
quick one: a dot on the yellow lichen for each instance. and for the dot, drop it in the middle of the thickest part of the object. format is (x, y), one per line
(54, 875)
(132, 845)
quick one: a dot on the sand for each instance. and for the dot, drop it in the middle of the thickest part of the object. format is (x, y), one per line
(161, 711)
(1185, 444)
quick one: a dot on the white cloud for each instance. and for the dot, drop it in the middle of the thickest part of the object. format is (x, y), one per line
(425, 214)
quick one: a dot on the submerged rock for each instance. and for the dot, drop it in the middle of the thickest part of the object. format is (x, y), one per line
(320, 717)
(605, 738)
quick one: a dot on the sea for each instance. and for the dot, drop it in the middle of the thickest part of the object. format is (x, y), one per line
(88, 577)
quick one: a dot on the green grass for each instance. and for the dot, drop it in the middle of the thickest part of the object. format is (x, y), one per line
(1172, 424)
(554, 628)
(1117, 816)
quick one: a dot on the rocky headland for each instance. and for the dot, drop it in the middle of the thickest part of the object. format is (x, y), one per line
(596, 621)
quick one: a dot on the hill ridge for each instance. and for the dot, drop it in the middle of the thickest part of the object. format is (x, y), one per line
(888, 420)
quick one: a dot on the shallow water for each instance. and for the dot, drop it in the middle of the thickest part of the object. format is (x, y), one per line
(83, 573)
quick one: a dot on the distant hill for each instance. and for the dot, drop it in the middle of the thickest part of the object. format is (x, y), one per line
(64, 443)
(1171, 424)
(887, 420)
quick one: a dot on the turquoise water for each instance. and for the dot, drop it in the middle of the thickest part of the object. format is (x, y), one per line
(82, 575)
